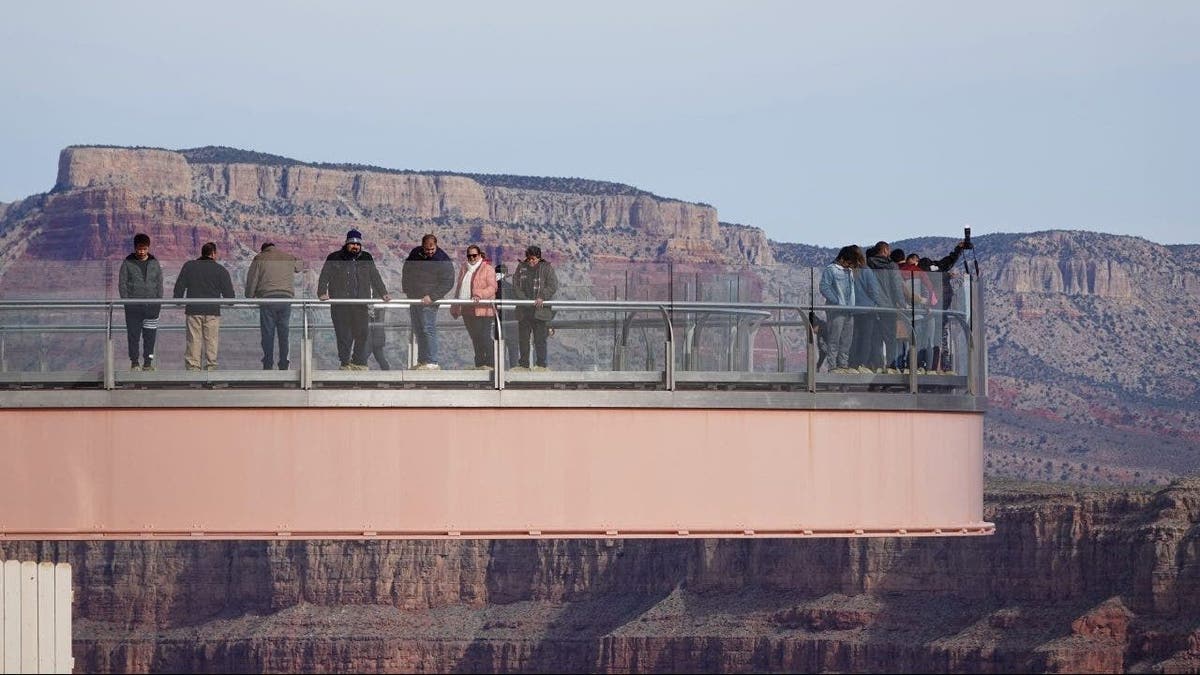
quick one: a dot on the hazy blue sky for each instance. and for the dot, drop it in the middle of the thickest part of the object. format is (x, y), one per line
(820, 122)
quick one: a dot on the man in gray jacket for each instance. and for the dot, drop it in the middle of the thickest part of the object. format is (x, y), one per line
(270, 276)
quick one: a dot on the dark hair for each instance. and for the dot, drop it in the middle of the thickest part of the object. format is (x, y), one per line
(141, 239)
(207, 250)
(851, 255)
(535, 251)
(265, 246)
(502, 268)
(427, 238)
(898, 255)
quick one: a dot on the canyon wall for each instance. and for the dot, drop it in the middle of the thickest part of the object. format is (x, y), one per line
(1073, 581)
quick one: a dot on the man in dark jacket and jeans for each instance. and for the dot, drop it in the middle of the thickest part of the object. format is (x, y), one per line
(534, 280)
(350, 272)
(203, 278)
(141, 277)
(428, 276)
(894, 297)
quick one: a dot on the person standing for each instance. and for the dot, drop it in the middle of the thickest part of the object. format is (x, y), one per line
(270, 276)
(203, 277)
(866, 351)
(894, 299)
(141, 276)
(477, 282)
(428, 276)
(837, 286)
(534, 280)
(350, 272)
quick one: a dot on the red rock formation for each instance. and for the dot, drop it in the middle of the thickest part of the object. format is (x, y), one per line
(104, 195)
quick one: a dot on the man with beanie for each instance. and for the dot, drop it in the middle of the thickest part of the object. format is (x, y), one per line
(141, 277)
(428, 276)
(350, 272)
(270, 276)
(203, 277)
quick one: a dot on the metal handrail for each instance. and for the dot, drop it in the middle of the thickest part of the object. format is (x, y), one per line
(666, 310)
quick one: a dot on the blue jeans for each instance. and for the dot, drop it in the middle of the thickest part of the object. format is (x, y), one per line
(424, 327)
(273, 322)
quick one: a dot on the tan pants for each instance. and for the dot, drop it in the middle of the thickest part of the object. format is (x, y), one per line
(201, 337)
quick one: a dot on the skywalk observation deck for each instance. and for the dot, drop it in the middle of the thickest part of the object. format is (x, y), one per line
(660, 416)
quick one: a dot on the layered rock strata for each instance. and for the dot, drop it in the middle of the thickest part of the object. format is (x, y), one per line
(104, 195)
(1072, 582)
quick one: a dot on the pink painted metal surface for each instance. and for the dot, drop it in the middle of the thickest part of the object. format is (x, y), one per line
(411, 472)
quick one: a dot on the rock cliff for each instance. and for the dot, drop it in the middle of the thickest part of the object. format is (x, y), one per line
(189, 197)
(1073, 581)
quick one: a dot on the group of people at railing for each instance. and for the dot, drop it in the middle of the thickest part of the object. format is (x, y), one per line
(878, 303)
(350, 272)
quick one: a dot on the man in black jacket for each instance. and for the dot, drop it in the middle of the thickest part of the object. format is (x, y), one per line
(350, 272)
(428, 276)
(141, 277)
(203, 277)
(896, 297)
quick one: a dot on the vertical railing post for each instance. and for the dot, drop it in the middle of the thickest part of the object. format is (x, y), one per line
(110, 379)
(976, 347)
(306, 349)
(498, 348)
(669, 363)
(812, 349)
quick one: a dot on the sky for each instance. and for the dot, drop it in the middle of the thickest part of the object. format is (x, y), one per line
(821, 122)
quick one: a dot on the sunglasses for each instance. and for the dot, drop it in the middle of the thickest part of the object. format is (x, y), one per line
(473, 255)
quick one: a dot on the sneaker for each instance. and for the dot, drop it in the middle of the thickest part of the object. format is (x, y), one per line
(359, 366)
(346, 366)
(519, 369)
(428, 366)
(134, 366)
(192, 368)
(539, 369)
(484, 367)
(149, 367)
(865, 370)
(211, 367)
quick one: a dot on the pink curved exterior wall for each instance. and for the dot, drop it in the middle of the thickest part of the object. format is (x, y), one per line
(412, 472)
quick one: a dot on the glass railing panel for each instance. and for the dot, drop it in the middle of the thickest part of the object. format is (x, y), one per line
(57, 280)
(727, 319)
(64, 341)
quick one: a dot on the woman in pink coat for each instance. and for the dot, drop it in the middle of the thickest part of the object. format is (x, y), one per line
(477, 281)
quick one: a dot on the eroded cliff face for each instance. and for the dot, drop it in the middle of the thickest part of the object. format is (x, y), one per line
(1072, 582)
(105, 195)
